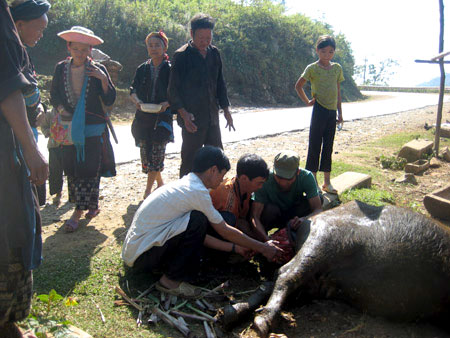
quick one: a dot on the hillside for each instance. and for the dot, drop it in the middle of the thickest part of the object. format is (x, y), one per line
(263, 49)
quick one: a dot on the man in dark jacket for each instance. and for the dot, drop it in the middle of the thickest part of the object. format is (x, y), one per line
(196, 91)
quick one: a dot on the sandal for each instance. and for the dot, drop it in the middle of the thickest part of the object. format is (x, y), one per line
(329, 189)
(70, 225)
(92, 213)
(184, 290)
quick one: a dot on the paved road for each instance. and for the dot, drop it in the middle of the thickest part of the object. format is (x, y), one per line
(261, 122)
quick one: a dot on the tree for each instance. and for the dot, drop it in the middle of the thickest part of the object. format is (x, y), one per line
(377, 75)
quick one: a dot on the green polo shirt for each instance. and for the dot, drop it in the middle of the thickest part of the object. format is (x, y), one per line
(304, 185)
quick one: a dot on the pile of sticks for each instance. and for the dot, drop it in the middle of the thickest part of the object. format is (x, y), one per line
(174, 311)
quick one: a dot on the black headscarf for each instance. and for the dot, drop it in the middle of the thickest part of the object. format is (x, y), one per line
(30, 10)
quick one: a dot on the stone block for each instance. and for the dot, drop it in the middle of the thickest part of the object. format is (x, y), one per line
(351, 180)
(417, 167)
(445, 130)
(446, 154)
(437, 203)
(413, 150)
(434, 163)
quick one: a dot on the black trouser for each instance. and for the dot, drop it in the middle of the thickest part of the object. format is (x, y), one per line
(321, 135)
(194, 141)
(55, 163)
(273, 217)
(179, 258)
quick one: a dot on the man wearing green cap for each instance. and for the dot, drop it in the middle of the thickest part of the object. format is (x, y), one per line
(289, 196)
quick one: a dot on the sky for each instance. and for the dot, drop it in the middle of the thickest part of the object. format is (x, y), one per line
(403, 30)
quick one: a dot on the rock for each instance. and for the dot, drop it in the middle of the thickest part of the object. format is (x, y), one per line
(438, 203)
(417, 167)
(407, 178)
(445, 131)
(446, 154)
(413, 150)
(434, 163)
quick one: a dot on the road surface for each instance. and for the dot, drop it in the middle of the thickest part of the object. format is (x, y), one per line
(263, 122)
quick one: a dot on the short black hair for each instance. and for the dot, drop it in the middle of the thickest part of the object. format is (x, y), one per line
(252, 166)
(209, 156)
(325, 41)
(201, 21)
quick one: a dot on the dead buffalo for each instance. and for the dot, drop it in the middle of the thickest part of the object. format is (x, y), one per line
(385, 261)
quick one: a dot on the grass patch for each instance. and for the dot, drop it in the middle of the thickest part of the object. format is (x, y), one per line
(370, 196)
(396, 141)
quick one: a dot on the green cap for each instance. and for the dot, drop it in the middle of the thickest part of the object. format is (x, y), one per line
(286, 164)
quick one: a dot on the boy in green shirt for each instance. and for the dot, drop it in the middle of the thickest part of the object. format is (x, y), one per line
(325, 77)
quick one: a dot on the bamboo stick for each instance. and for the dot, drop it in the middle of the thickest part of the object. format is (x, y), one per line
(208, 331)
(128, 299)
(188, 315)
(172, 321)
(207, 316)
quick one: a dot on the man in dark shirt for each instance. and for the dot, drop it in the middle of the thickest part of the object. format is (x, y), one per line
(197, 89)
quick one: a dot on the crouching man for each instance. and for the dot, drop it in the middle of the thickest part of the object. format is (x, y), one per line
(288, 197)
(169, 228)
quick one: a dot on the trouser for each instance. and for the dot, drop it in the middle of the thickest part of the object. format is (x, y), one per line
(273, 217)
(321, 137)
(56, 171)
(179, 258)
(194, 141)
(83, 177)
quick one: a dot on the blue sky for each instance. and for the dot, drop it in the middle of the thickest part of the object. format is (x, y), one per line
(403, 30)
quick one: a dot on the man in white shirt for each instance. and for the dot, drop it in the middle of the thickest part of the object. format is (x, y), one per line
(168, 230)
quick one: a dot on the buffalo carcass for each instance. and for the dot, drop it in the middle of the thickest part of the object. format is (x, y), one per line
(385, 261)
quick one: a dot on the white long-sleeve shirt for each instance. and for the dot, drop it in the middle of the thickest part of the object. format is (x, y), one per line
(165, 213)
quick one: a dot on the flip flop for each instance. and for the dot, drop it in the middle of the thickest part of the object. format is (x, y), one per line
(92, 213)
(70, 225)
(184, 290)
(329, 189)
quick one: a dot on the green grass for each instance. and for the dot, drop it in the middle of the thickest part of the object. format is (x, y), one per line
(396, 141)
(370, 196)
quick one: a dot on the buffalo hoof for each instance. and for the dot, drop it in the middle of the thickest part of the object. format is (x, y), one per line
(261, 326)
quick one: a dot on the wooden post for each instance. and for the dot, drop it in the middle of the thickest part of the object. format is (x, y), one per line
(442, 84)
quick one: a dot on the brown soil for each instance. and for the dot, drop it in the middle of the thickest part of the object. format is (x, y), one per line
(121, 196)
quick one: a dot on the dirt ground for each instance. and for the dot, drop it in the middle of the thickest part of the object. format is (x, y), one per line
(120, 197)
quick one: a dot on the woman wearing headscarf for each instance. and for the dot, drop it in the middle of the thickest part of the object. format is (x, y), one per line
(152, 130)
(21, 164)
(30, 19)
(80, 88)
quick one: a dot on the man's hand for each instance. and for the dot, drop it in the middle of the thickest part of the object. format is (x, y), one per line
(188, 119)
(244, 252)
(295, 222)
(229, 119)
(272, 252)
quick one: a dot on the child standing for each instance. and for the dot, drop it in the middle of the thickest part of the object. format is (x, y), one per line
(325, 78)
